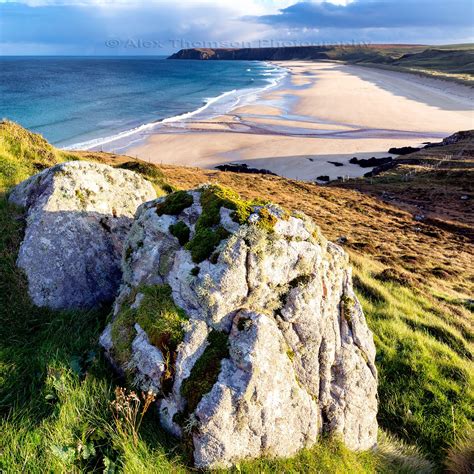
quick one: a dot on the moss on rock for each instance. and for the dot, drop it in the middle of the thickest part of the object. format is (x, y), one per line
(123, 333)
(206, 370)
(158, 315)
(181, 231)
(209, 231)
(174, 204)
(204, 242)
(266, 220)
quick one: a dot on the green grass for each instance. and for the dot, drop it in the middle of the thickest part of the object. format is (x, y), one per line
(56, 389)
(424, 359)
(206, 370)
(174, 204)
(24, 153)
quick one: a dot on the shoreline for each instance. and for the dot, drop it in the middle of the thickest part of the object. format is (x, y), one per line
(320, 112)
(114, 142)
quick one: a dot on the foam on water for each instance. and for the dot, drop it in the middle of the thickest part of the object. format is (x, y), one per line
(212, 107)
(108, 102)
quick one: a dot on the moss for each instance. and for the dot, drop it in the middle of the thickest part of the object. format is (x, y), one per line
(206, 370)
(209, 232)
(213, 198)
(123, 333)
(174, 204)
(204, 242)
(161, 319)
(267, 220)
(181, 231)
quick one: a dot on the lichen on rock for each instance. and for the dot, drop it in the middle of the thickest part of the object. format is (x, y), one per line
(273, 350)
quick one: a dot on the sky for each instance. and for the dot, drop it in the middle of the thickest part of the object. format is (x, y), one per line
(160, 27)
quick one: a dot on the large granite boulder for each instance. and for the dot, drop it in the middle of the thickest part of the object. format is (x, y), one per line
(78, 215)
(242, 318)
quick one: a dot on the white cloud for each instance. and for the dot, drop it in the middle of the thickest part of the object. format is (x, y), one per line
(249, 7)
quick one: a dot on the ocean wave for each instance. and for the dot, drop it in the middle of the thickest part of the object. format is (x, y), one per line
(228, 100)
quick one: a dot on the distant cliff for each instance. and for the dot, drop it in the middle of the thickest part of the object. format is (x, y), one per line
(255, 54)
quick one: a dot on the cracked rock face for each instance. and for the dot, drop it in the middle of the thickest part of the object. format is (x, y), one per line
(78, 215)
(274, 350)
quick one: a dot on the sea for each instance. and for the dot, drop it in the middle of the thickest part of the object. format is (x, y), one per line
(111, 102)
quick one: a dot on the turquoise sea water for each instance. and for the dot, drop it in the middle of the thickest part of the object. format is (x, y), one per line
(86, 102)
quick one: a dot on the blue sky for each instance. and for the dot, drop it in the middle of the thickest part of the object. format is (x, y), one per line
(86, 27)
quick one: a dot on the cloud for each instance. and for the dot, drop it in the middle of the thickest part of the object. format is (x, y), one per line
(83, 27)
(361, 14)
(154, 27)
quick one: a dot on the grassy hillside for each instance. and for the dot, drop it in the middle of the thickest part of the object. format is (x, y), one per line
(413, 278)
(444, 62)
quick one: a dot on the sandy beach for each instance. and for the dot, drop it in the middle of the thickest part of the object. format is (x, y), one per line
(321, 112)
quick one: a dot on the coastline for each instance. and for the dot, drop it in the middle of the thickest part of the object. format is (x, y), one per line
(212, 107)
(320, 112)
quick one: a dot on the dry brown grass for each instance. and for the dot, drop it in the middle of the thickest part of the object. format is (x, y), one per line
(460, 457)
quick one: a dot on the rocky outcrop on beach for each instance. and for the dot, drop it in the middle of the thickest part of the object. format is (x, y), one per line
(404, 150)
(370, 162)
(77, 217)
(243, 168)
(242, 318)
